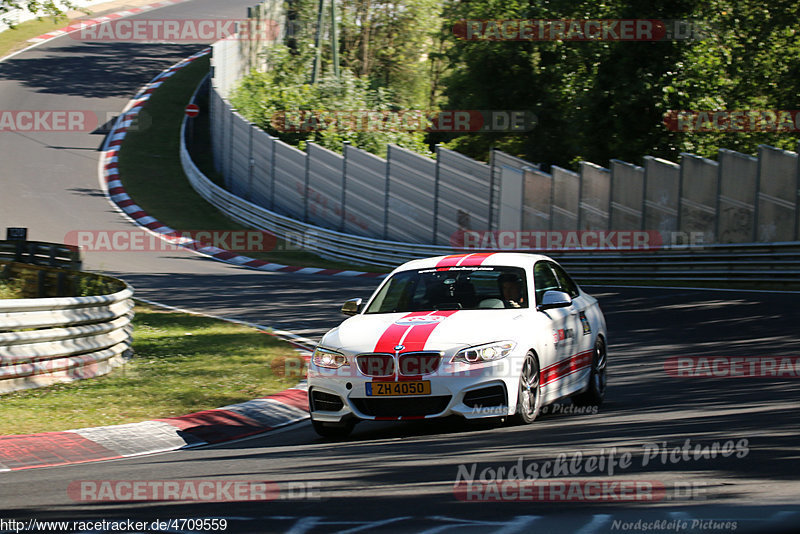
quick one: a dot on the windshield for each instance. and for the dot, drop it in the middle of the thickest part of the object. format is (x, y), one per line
(452, 288)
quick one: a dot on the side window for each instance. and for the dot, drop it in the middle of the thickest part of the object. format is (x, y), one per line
(543, 279)
(566, 283)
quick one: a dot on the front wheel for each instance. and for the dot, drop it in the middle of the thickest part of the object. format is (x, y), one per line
(529, 399)
(596, 391)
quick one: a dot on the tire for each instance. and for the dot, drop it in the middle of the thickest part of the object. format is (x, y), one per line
(529, 399)
(333, 430)
(594, 394)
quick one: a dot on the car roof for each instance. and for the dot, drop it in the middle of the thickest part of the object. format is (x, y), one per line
(507, 259)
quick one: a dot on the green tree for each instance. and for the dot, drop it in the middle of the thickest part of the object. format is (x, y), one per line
(37, 7)
(603, 100)
(270, 99)
(748, 62)
(594, 100)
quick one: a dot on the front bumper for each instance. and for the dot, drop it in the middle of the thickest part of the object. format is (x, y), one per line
(471, 391)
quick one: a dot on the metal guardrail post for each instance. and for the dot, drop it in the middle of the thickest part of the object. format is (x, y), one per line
(386, 192)
(797, 199)
(756, 198)
(272, 174)
(41, 284)
(492, 164)
(251, 163)
(345, 149)
(306, 185)
(434, 236)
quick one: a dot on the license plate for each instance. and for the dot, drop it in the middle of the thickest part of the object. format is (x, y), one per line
(391, 389)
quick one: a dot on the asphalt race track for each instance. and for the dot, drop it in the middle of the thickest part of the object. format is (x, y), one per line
(401, 477)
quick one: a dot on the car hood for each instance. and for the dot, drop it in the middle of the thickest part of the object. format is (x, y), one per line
(440, 330)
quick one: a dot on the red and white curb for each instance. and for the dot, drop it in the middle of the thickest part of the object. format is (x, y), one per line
(112, 185)
(236, 421)
(86, 23)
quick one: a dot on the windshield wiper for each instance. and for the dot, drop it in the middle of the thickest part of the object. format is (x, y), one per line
(448, 306)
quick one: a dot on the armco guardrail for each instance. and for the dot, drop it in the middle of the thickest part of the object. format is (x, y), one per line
(411, 198)
(326, 243)
(40, 253)
(757, 262)
(741, 263)
(60, 339)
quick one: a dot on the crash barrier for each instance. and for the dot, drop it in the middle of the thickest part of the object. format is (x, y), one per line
(410, 198)
(41, 253)
(743, 263)
(60, 339)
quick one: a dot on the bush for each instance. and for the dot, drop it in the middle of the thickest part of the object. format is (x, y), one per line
(90, 285)
(10, 289)
(260, 97)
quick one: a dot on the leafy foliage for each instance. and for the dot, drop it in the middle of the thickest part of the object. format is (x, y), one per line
(262, 97)
(603, 100)
(89, 285)
(37, 7)
(10, 288)
(594, 100)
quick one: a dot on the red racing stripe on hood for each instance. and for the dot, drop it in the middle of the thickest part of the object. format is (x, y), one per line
(416, 338)
(394, 333)
(412, 336)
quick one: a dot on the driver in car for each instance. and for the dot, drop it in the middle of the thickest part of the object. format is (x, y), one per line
(511, 290)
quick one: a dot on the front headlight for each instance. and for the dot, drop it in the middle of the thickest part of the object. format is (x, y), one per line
(329, 359)
(485, 353)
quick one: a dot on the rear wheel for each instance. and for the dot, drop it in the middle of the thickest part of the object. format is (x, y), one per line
(596, 391)
(529, 399)
(334, 430)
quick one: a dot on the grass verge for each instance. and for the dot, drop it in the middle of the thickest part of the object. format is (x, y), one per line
(151, 172)
(16, 38)
(184, 363)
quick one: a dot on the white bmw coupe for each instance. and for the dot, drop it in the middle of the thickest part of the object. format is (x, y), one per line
(477, 335)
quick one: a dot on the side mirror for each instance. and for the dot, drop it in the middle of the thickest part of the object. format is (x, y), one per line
(352, 307)
(554, 299)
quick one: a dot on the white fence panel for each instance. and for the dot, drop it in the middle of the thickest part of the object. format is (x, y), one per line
(595, 185)
(464, 187)
(411, 193)
(627, 191)
(737, 197)
(777, 194)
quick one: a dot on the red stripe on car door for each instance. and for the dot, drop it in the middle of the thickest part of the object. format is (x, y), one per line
(566, 367)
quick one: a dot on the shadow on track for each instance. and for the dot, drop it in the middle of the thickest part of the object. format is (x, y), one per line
(93, 70)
